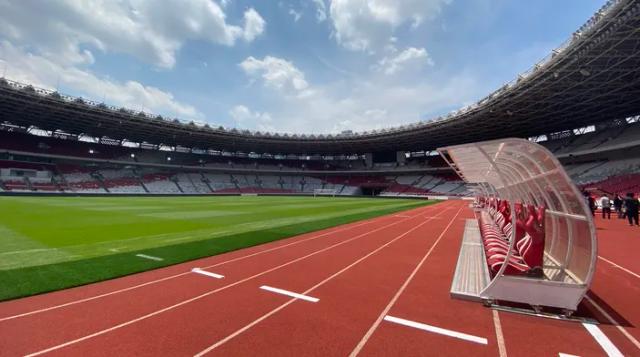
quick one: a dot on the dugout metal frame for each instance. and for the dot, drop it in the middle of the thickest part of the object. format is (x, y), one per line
(521, 171)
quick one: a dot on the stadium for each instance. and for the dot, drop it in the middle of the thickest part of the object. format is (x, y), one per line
(480, 232)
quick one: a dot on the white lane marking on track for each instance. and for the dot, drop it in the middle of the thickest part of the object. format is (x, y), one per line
(502, 347)
(438, 330)
(184, 302)
(289, 293)
(376, 323)
(613, 322)
(207, 273)
(150, 257)
(603, 340)
(274, 311)
(185, 273)
(620, 267)
(566, 355)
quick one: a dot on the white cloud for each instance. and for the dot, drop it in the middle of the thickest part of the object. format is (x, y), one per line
(245, 118)
(253, 25)
(296, 15)
(368, 25)
(41, 71)
(141, 28)
(321, 10)
(276, 73)
(361, 103)
(369, 104)
(398, 61)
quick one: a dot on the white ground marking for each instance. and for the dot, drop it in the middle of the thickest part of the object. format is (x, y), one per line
(614, 322)
(566, 355)
(603, 340)
(289, 293)
(620, 267)
(28, 251)
(181, 274)
(207, 273)
(178, 239)
(150, 257)
(434, 329)
(375, 325)
(201, 296)
(502, 347)
(274, 311)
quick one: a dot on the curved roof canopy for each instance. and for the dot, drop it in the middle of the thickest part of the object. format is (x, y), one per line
(523, 172)
(591, 78)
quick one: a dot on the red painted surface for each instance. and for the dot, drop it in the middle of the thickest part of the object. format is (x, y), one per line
(352, 296)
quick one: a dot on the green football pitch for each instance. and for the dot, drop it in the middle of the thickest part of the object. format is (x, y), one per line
(50, 243)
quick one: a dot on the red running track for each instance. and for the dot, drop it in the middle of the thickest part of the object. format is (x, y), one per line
(396, 265)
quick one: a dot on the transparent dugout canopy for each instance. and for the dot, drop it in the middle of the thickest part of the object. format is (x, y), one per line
(521, 171)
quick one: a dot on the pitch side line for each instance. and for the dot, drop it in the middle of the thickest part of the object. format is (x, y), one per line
(603, 340)
(289, 293)
(150, 257)
(620, 267)
(201, 296)
(375, 325)
(366, 222)
(274, 311)
(434, 329)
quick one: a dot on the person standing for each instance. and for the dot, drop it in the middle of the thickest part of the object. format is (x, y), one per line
(606, 207)
(592, 204)
(617, 204)
(631, 203)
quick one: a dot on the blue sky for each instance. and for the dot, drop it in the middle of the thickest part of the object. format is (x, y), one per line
(312, 66)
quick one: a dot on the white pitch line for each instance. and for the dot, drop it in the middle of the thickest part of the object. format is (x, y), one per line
(603, 340)
(434, 329)
(566, 355)
(207, 273)
(289, 293)
(150, 257)
(620, 267)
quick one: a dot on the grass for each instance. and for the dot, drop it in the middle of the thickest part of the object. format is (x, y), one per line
(51, 243)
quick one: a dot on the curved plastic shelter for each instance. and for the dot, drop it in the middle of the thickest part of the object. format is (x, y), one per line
(520, 173)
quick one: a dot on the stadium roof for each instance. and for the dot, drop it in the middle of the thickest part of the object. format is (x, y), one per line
(593, 77)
